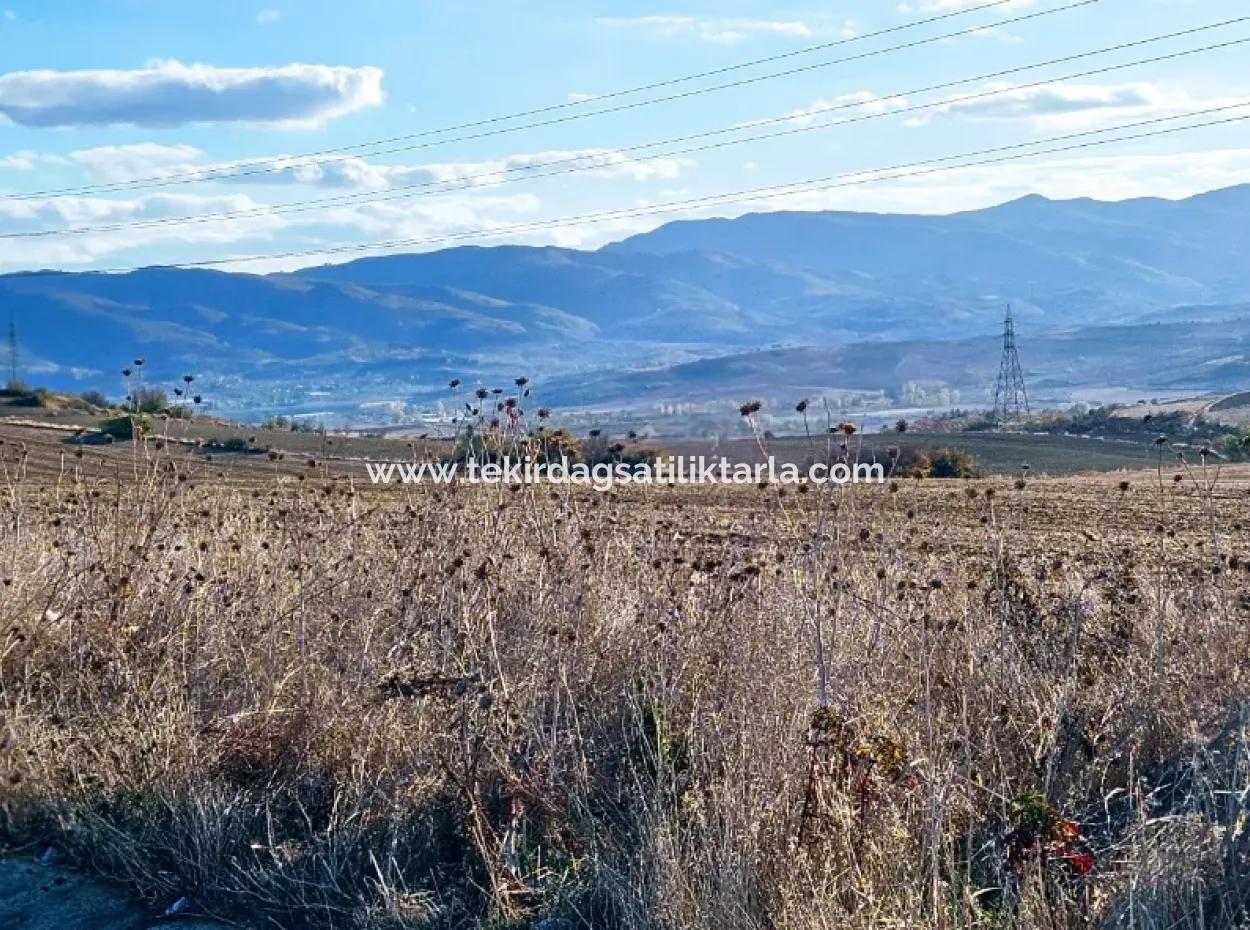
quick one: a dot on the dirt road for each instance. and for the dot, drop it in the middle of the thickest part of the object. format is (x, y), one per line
(34, 896)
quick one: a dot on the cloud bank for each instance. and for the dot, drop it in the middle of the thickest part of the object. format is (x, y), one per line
(120, 163)
(170, 93)
(1072, 106)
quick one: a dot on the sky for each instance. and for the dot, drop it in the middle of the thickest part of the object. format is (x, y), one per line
(273, 134)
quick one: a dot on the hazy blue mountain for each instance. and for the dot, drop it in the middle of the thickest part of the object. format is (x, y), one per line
(1076, 260)
(706, 289)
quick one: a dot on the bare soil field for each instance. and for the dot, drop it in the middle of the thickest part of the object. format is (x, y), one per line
(298, 700)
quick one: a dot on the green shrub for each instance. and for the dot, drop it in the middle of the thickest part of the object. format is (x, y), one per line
(932, 462)
(125, 427)
(952, 463)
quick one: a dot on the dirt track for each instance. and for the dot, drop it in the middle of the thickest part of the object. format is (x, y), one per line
(34, 896)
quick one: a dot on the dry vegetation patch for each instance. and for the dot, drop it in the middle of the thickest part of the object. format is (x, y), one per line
(939, 704)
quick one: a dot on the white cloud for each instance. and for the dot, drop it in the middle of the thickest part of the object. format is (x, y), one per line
(1104, 177)
(356, 173)
(265, 17)
(603, 163)
(170, 93)
(24, 160)
(863, 101)
(999, 33)
(36, 214)
(113, 163)
(1111, 177)
(435, 216)
(724, 30)
(1175, 174)
(133, 245)
(1074, 106)
(260, 232)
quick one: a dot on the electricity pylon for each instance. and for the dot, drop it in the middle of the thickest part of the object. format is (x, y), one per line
(1011, 400)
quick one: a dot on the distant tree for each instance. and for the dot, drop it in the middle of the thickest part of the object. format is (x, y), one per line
(95, 399)
(933, 462)
(148, 400)
(952, 463)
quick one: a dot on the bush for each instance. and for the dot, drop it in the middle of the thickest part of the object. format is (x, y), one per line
(148, 400)
(545, 445)
(952, 463)
(234, 444)
(39, 397)
(125, 427)
(1235, 446)
(602, 450)
(95, 399)
(932, 462)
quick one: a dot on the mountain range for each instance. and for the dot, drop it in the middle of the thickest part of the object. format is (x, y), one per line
(1105, 293)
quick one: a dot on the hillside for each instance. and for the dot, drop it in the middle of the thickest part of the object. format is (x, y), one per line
(1175, 357)
(400, 326)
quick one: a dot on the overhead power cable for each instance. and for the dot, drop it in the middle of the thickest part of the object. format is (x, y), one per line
(814, 185)
(327, 156)
(584, 163)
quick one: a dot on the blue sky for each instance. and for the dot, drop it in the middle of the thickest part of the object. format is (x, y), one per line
(104, 93)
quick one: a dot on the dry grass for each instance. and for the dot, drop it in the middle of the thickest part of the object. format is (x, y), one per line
(928, 705)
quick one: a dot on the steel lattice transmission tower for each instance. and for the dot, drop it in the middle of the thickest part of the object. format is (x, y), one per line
(1011, 400)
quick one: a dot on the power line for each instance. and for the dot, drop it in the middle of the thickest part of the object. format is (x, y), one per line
(281, 163)
(580, 164)
(813, 185)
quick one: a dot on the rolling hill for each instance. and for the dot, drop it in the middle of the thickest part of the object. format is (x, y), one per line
(1167, 358)
(884, 299)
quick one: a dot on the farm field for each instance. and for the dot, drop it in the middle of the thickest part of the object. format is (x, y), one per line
(995, 453)
(298, 700)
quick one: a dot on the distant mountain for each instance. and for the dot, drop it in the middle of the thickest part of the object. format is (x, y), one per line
(398, 326)
(1073, 261)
